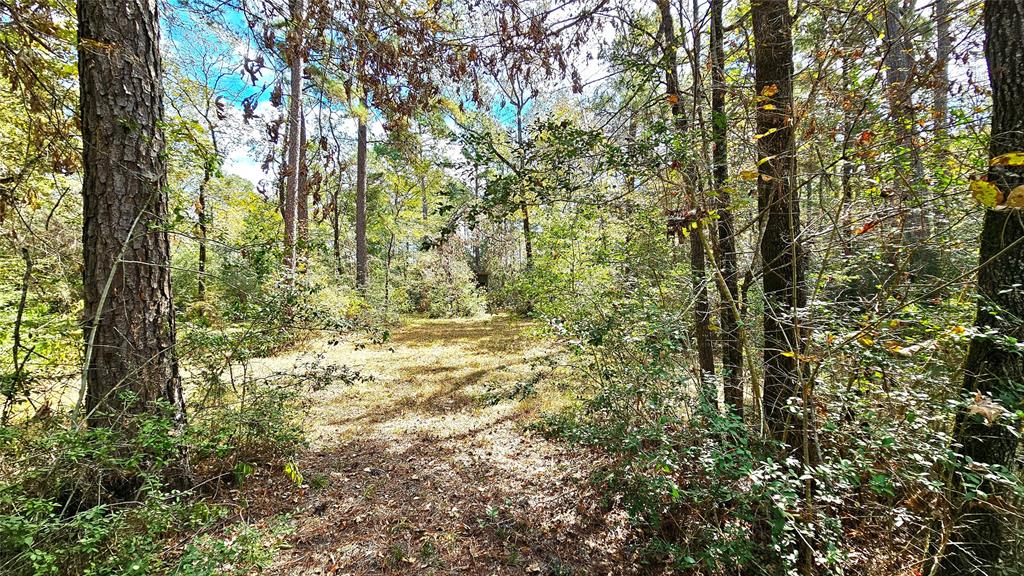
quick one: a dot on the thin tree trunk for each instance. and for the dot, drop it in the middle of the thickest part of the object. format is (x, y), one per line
(732, 345)
(702, 311)
(129, 329)
(909, 168)
(943, 50)
(994, 367)
(336, 224)
(294, 142)
(202, 219)
(362, 255)
(527, 239)
(302, 200)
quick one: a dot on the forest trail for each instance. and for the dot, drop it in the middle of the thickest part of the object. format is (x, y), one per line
(428, 466)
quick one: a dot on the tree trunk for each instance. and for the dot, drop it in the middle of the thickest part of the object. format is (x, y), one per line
(302, 200)
(294, 143)
(701, 309)
(201, 219)
(336, 224)
(732, 345)
(994, 367)
(779, 207)
(909, 176)
(527, 239)
(129, 330)
(362, 256)
(943, 50)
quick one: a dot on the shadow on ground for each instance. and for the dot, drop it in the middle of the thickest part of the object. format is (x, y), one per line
(414, 473)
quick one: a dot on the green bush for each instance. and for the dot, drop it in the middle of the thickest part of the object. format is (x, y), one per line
(442, 285)
(94, 501)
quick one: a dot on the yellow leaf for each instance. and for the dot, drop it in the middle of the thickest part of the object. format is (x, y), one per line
(865, 341)
(986, 193)
(1009, 159)
(770, 90)
(1016, 197)
(748, 175)
(769, 107)
(788, 354)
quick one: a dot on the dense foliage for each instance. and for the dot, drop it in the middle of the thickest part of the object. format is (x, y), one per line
(764, 270)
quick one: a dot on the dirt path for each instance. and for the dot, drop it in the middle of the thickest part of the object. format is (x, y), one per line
(428, 467)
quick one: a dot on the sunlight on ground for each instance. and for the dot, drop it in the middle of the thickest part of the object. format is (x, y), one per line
(439, 378)
(427, 466)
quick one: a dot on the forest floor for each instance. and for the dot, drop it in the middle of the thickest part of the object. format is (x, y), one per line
(429, 466)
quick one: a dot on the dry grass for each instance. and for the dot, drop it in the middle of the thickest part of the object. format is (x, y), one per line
(427, 468)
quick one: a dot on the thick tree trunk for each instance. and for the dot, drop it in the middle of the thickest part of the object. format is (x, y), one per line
(779, 207)
(362, 254)
(294, 142)
(129, 329)
(994, 367)
(732, 345)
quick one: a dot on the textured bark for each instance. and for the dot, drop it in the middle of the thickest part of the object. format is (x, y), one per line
(779, 208)
(527, 235)
(909, 175)
(336, 224)
(943, 49)
(362, 255)
(202, 221)
(732, 345)
(302, 200)
(698, 273)
(993, 367)
(130, 340)
(294, 142)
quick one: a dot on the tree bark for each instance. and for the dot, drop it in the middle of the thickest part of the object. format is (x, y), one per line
(129, 330)
(732, 345)
(943, 50)
(294, 142)
(302, 200)
(202, 221)
(779, 207)
(362, 255)
(336, 223)
(701, 308)
(994, 368)
(909, 176)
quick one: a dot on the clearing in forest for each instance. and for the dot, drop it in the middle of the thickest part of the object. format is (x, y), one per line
(428, 467)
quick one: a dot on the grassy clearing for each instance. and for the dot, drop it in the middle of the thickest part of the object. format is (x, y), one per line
(426, 467)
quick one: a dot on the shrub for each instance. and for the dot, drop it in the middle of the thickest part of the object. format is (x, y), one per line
(442, 285)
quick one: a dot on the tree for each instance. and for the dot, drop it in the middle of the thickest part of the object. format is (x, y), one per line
(701, 309)
(732, 342)
(294, 142)
(362, 254)
(129, 330)
(779, 209)
(995, 366)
